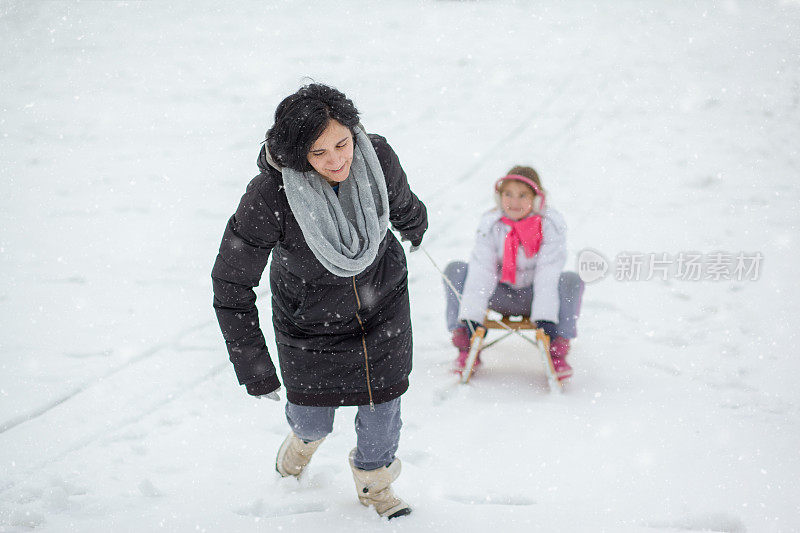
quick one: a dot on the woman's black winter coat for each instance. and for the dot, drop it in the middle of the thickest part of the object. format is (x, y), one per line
(341, 341)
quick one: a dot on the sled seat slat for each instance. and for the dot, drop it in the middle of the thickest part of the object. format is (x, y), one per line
(522, 322)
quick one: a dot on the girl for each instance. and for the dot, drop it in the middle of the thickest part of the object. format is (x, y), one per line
(515, 269)
(321, 205)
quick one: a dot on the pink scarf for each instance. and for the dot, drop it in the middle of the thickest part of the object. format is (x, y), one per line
(528, 232)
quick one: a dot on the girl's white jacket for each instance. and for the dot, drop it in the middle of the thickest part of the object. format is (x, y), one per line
(541, 271)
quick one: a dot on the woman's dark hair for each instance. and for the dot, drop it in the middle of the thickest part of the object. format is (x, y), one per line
(302, 117)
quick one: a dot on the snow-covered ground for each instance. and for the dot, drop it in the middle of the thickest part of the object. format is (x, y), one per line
(129, 131)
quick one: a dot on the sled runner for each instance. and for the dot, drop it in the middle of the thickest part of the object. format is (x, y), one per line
(512, 325)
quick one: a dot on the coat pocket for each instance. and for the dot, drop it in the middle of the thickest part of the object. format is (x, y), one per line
(290, 293)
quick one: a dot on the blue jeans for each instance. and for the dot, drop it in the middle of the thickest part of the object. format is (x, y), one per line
(377, 432)
(517, 302)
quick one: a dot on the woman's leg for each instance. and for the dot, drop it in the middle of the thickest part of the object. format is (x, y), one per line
(378, 434)
(310, 423)
(456, 272)
(570, 292)
(373, 463)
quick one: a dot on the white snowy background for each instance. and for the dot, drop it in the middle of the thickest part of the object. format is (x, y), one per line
(129, 131)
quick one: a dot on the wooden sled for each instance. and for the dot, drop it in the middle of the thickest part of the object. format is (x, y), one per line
(512, 325)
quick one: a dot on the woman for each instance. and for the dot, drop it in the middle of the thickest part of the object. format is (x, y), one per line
(321, 204)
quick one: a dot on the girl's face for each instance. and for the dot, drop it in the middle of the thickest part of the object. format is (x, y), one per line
(332, 153)
(516, 199)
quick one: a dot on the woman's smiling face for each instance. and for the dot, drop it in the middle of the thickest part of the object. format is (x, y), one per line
(332, 153)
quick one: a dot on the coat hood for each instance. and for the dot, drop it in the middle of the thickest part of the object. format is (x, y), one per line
(265, 160)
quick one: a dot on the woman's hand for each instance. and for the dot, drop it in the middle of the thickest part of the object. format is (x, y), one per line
(414, 245)
(266, 388)
(271, 396)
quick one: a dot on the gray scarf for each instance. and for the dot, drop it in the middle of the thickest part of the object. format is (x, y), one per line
(343, 231)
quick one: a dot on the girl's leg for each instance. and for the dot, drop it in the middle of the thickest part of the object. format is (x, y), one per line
(518, 302)
(570, 292)
(456, 272)
(378, 434)
(510, 301)
(310, 423)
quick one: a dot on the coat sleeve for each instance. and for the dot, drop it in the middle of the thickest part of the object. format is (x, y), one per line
(249, 237)
(407, 213)
(549, 263)
(482, 276)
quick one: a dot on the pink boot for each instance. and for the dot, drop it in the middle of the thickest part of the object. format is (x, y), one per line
(559, 348)
(461, 340)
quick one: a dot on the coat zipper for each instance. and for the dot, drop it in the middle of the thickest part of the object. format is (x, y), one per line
(363, 344)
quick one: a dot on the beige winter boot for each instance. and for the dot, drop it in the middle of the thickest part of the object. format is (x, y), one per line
(374, 487)
(294, 455)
